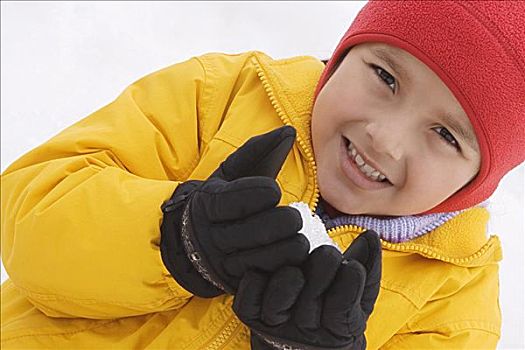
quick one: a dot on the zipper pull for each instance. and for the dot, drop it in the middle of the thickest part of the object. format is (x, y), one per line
(174, 203)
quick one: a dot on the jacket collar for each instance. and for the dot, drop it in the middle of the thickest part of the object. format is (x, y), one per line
(290, 85)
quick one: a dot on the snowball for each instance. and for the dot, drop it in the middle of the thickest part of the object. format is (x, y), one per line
(313, 227)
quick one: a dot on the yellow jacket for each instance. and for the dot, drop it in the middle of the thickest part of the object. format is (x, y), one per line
(81, 220)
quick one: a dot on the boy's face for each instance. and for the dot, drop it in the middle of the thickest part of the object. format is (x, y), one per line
(394, 121)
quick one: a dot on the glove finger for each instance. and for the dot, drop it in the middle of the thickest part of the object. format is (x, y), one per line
(367, 250)
(319, 270)
(258, 230)
(223, 201)
(342, 314)
(261, 155)
(247, 302)
(280, 295)
(293, 251)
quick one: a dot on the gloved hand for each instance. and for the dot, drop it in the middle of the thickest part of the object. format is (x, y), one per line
(324, 305)
(213, 231)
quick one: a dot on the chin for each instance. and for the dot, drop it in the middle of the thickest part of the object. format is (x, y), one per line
(337, 209)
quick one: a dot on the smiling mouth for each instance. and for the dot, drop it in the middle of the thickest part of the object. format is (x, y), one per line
(347, 143)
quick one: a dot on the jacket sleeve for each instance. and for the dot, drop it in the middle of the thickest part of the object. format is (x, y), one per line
(460, 339)
(81, 213)
(468, 318)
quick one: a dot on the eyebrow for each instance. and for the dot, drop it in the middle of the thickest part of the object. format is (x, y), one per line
(388, 56)
(466, 133)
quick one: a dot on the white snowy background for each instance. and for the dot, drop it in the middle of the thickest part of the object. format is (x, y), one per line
(61, 61)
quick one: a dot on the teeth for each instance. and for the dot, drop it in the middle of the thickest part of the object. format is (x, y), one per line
(365, 168)
(359, 160)
(368, 169)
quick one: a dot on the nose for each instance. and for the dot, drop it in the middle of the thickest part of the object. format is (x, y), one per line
(385, 139)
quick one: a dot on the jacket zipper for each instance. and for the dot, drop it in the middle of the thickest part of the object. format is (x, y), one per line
(425, 251)
(226, 334)
(412, 248)
(284, 118)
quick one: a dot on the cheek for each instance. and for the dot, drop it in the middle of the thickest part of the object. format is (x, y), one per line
(326, 124)
(348, 97)
(436, 179)
(352, 103)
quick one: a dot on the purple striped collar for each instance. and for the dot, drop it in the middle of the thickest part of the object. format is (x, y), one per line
(394, 229)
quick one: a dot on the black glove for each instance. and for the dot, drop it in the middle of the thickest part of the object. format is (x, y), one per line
(213, 231)
(324, 305)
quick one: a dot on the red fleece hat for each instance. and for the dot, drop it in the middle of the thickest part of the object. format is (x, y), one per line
(477, 48)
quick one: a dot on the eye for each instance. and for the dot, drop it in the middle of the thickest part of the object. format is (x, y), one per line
(385, 77)
(447, 137)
